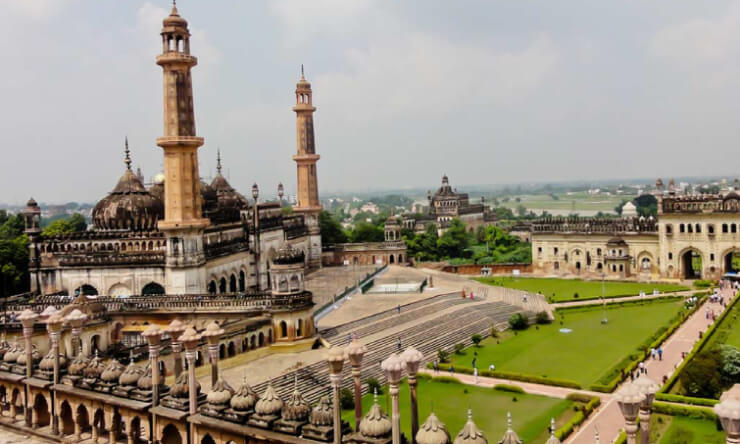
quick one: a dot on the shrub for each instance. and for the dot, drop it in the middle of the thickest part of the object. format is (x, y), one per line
(459, 348)
(373, 384)
(704, 283)
(518, 322)
(347, 399)
(494, 333)
(684, 410)
(575, 296)
(508, 388)
(685, 399)
(443, 356)
(701, 377)
(543, 318)
(476, 339)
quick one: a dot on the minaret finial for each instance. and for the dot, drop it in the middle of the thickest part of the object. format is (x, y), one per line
(127, 161)
(303, 77)
(218, 160)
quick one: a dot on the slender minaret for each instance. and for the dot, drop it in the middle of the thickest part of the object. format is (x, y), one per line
(306, 158)
(183, 222)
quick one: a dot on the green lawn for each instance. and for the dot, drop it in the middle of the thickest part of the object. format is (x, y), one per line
(729, 332)
(684, 430)
(530, 413)
(559, 290)
(584, 355)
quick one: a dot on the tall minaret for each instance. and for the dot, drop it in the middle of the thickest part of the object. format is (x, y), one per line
(308, 188)
(183, 222)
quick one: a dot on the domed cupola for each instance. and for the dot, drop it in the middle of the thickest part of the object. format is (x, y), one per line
(229, 203)
(129, 206)
(433, 431)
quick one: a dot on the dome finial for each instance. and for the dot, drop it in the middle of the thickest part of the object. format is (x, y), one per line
(375, 395)
(508, 420)
(303, 77)
(552, 427)
(127, 160)
(218, 160)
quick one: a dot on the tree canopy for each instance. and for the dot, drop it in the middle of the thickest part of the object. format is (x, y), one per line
(13, 254)
(331, 232)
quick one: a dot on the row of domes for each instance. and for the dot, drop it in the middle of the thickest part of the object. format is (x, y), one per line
(131, 206)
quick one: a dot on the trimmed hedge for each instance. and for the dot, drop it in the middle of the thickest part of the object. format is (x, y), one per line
(579, 417)
(621, 439)
(699, 346)
(611, 380)
(508, 388)
(513, 376)
(579, 397)
(667, 397)
(684, 410)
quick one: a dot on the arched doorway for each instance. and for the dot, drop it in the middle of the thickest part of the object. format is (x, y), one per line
(94, 344)
(691, 264)
(41, 409)
(212, 287)
(283, 329)
(170, 435)
(221, 351)
(243, 281)
(83, 418)
(87, 290)
(67, 421)
(232, 349)
(732, 262)
(152, 288)
(391, 259)
(232, 284)
(99, 422)
(207, 440)
(261, 339)
(222, 285)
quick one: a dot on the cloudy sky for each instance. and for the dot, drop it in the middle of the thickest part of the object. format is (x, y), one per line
(485, 91)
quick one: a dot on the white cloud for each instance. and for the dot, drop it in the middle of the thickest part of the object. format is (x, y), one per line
(428, 73)
(700, 40)
(303, 19)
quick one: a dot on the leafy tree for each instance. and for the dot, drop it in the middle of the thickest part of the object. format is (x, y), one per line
(503, 213)
(346, 399)
(518, 322)
(13, 254)
(618, 208)
(66, 225)
(647, 205)
(730, 368)
(521, 210)
(454, 240)
(701, 377)
(476, 339)
(78, 222)
(331, 231)
(374, 386)
(367, 232)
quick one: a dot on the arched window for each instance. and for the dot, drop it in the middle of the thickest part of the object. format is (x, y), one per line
(152, 288)
(232, 284)
(725, 228)
(283, 285)
(690, 228)
(698, 228)
(668, 229)
(299, 328)
(295, 284)
(682, 228)
(212, 287)
(283, 329)
(243, 281)
(222, 285)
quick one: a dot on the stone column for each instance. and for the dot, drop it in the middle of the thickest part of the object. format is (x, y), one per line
(190, 339)
(392, 367)
(78, 428)
(629, 398)
(175, 330)
(355, 351)
(94, 432)
(34, 418)
(153, 336)
(76, 319)
(728, 412)
(213, 335)
(413, 359)
(28, 318)
(335, 358)
(112, 433)
(649, 388)
(54, 327)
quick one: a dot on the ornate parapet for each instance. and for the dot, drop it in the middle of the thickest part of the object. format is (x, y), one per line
(591, 225)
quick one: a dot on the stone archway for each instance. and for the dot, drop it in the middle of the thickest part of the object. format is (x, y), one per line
(207, 440)
(82, 420)
(66, 419)
(119, 291)
(731, 261)
(170, 435)
(691, 264)
(41, 411)
(98, 424)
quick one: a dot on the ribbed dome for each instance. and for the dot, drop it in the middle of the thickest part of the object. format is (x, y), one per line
(229, 203)
(112, 371)
(376, 423)
(35, 357)
(296, 409)
(131, 374)
(220, 393)
(129, 206)
(78, 365)
(323, 413)
(181, 388)
(510, 437)
(95, 368)
(470, 433)
(48, 362)
(174, 19)
(145, 381)
(270, 403)
(13, 352)
(433, 431)
(245, 398)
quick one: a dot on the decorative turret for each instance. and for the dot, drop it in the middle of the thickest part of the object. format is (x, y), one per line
(267, 409)
(553, 439)
(433, 431)
(376, 424)
(128, 379)
(392, 229)
(46, 366)
(218, 399)
(32, 218)
(510, 437)
(242, 403)
(109, 377)
(294, 413)
(470, 433)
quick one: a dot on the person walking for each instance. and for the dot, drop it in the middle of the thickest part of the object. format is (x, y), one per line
(399, 308)
(660, 354)
(398, 343)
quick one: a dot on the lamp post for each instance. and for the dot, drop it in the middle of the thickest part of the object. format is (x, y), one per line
(355, 351)
(256, 195)
(28, 318)
(413, 359)
(335, 358)
(629, 398)
(729, 415)
(392, 367)
(213, 335)
(190, 339)
(649, 388)
(153, 336)
(76, 320)
(54, 327)
(175, 330)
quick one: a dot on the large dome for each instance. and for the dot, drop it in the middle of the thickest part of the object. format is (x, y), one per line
(128, 207)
